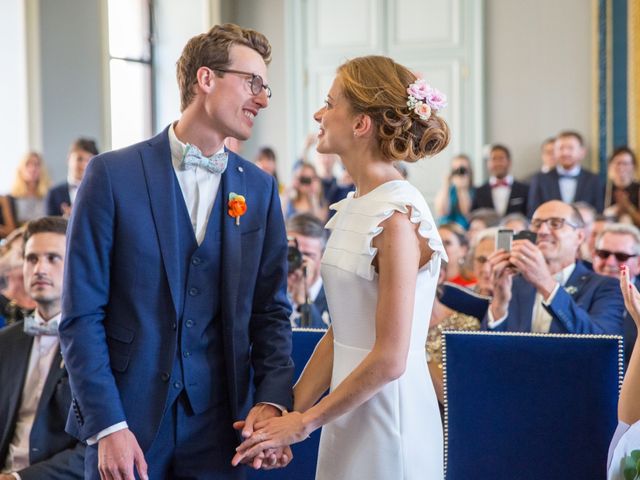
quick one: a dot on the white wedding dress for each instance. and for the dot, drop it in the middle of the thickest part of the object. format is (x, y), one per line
(397, 434)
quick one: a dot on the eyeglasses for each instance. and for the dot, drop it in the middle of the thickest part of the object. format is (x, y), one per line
(257, 83)
(620, 256)
(555, 223)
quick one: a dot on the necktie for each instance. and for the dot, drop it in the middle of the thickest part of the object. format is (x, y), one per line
(33, 327)
(193, 158)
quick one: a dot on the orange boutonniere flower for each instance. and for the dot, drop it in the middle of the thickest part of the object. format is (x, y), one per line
(237, 206)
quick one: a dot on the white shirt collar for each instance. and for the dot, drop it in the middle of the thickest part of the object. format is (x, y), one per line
(574, 171)
(178, 148)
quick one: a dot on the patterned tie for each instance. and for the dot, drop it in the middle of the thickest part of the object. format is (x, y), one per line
(33, 327)
(193, 158)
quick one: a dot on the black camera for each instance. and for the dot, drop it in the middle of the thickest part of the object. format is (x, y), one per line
(294, 258)
(459, 171)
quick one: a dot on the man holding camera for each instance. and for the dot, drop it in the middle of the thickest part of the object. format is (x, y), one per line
(542, 288)
(307, 239)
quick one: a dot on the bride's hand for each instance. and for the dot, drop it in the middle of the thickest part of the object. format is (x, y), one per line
(272, 433)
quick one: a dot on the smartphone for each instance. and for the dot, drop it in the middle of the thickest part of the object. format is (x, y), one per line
(503, 240)
(526, 235)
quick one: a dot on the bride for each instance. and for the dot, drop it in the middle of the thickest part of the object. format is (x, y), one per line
(380, 271)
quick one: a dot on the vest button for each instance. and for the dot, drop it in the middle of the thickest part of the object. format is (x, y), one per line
(193, 291)
(189, 323)
(174, 326)
(165, 376)
(196, 261)
(177, 385)
(186, 354)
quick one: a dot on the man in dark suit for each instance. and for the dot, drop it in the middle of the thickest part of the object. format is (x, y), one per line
(176, 283)
(618, 245)
(34, 393)
(569, 181)
(501, 193)
(542, 288)
(61, 197)
(307, 239)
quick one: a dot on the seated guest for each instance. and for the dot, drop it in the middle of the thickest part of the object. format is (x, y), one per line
(305, 195)
(15, 302)
(569, 181)
(588, 214)
(453, 200)
(501, 193)
(618, 246)
(457, 246)
(306, 233)
(480, 220)
(266, 161)
(29, 189)
(622, 198)
(542, 288)
(35, 395)
(627, 436)
(61, 197)
(481, 249)
(514, 221)
(443, 318)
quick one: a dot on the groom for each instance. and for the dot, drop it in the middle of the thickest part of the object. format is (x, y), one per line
(175, 287)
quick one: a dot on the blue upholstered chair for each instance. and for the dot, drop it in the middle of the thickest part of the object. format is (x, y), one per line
(529, 406)
(305, 454)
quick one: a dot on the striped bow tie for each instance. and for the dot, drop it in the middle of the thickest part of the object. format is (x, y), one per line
(193, 158)
(33, 327)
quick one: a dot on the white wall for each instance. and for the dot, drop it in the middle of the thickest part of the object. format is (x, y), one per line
(14, 136)
(540, 71)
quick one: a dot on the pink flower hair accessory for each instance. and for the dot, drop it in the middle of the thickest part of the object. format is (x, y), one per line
(424, 99)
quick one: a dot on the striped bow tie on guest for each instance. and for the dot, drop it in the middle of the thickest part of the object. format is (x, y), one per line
(193, 157)
(33, 327)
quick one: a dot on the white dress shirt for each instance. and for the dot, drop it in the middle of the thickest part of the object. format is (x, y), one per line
(43, 351)
(540, 317)
(568, 186)
(199, 189)
(500, 194)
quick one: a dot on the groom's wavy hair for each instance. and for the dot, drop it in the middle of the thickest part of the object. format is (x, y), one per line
(211, 50)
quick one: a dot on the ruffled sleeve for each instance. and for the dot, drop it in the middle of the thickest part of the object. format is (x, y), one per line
(357, 221)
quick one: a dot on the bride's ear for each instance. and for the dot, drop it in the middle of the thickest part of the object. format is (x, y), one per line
(363, 125)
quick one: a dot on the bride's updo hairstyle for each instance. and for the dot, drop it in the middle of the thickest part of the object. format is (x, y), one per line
(378, 87)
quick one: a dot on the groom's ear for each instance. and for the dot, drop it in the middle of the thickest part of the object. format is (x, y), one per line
(205, 79)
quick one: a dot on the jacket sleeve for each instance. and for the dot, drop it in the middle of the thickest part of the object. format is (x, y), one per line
(96, 400)
(601, 314)
(65, 465)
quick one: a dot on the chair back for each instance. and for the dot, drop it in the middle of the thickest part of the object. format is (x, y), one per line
(529, 406)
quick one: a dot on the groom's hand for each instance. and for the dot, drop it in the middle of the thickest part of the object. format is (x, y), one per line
(117, 454)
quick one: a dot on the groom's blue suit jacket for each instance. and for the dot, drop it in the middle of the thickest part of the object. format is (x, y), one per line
(125, 291)
(588, 303)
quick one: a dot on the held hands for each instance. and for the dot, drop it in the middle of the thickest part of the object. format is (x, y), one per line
(266, 458)
(117, 454)
(630, 295)
(272, 433)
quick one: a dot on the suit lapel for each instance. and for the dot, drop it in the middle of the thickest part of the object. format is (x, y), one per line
(581, 185)
(233, 181)
(555, 185)
(15, 358)
(160, 179)
(55, 373)
(574, 283)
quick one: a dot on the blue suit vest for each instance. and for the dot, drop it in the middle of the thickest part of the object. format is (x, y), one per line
(199, 368)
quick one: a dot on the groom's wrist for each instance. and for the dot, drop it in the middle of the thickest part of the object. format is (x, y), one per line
(276, 405)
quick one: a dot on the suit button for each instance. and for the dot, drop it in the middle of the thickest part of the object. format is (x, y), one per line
(165, 376)
(189, 323)
(186, 354)
(174, 326)
(34, 449)
(196, 261)
(177, 385)
(193, 291)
